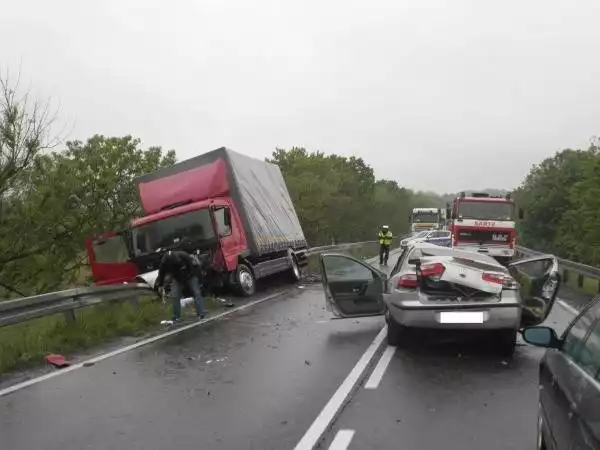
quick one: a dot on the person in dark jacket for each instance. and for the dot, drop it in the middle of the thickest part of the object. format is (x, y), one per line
(182, 269)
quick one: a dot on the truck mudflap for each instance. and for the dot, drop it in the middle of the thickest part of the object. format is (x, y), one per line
(301, 256)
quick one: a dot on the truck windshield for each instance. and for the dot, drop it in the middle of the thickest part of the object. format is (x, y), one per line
(425, 217)
(486, 210)
(193, 225)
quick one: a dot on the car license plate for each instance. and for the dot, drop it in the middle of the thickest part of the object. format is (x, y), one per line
(461, 317)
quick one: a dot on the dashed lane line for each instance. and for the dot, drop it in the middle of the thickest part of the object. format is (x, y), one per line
(329, 412)
(380, 368)
(342, 440)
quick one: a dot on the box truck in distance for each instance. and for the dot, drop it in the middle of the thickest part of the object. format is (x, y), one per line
(234, 212)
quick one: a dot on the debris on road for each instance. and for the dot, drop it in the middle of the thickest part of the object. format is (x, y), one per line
(58, 361)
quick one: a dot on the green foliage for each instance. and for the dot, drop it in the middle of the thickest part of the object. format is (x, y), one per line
(561, 199)
(63, 197)
(338, 198)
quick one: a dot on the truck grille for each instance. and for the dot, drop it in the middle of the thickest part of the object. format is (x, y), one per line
(487, 236)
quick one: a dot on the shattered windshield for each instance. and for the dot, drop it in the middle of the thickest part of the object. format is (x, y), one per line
(194, 225)
(486, 210)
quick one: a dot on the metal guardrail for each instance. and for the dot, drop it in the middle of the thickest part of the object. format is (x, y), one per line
(593, 272)
(68, 301)
(582, 271)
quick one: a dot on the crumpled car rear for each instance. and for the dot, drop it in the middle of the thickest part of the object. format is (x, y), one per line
(449, 276)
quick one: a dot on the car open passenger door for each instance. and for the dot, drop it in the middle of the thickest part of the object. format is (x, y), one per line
(352, 288)
(110, 258)
(539, 279)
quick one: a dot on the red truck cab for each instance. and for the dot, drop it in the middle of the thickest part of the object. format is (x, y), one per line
(233, 211)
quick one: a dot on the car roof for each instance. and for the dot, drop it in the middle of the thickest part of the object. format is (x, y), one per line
(436, 250)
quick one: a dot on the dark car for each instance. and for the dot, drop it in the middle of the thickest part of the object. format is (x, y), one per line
(569, 402)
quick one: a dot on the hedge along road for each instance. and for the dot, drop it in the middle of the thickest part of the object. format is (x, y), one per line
(258, 378)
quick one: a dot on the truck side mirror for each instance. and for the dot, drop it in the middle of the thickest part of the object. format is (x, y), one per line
(449, 212)
(521, 213)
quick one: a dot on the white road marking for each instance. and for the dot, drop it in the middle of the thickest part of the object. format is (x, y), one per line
(568, 307)
(342, 440)
(92, 361)
(327, 414)
(380, 368)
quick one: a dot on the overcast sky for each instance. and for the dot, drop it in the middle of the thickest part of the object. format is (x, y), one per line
(438, 95)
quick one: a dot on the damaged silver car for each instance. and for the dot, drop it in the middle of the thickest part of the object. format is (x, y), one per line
(433, 287)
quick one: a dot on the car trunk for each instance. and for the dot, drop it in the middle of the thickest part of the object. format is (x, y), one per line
(462, 281)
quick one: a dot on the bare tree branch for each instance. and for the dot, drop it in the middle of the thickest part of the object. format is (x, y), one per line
(25, 130)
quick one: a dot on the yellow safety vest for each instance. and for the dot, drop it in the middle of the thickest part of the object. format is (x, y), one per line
(385, 238)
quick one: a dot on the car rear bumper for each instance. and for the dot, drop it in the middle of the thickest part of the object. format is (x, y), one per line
(501, 316)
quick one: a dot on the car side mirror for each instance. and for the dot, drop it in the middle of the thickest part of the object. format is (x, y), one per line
(541, 337)
(521, 213)
(414, 261)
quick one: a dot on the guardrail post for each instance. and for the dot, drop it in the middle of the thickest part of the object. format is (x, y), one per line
(580, 280)
(565, 276)
(69, 316)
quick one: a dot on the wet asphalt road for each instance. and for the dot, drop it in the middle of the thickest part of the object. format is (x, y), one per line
(258, 380)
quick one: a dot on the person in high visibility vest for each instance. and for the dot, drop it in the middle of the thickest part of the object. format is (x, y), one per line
(385, 241)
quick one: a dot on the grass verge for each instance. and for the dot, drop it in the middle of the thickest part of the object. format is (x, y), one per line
(24, 345)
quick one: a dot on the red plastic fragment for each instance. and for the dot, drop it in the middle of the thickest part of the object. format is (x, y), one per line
(57, 361)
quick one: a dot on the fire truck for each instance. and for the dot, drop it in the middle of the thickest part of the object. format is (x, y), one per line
(483, 223)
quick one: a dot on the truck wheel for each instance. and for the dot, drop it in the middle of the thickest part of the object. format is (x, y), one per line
(245, 282)
(295, 271)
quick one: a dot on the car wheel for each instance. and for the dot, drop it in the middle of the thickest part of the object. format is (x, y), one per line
(505, 342)
(245, 281)
(397, 335)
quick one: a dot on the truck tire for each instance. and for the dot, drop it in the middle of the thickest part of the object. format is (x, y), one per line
(295, 272)
(244, 281)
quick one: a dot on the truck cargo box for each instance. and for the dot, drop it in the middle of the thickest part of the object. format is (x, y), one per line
(256, 187)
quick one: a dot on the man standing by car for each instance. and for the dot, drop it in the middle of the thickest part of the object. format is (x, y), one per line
(184, 273)
(385, 241)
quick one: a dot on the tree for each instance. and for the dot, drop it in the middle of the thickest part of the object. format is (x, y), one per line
(338, 198)
(65, 197)
(545, 196)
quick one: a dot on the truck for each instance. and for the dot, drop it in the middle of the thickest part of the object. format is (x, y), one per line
(422, 219)
(232, 211)
(484, 223)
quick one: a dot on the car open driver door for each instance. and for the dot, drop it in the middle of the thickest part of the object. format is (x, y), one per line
(353, 288)
(539, 280)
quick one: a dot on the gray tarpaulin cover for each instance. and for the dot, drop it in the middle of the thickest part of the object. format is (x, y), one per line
(256, 187)
(264, 197)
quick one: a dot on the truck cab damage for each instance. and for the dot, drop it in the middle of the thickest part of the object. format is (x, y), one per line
(232, 211)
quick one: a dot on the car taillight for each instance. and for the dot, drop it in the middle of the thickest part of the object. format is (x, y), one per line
(407, 281)
(432, 270)
(509, 283)
(496, 278)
